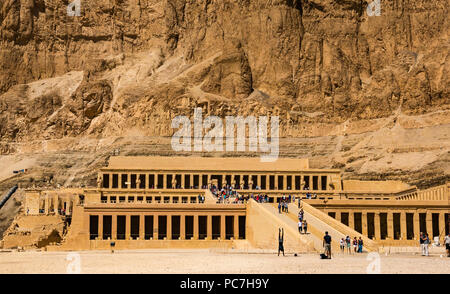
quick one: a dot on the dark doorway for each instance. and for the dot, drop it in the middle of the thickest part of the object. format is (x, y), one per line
(134, 232)
(115, 180)
(215, 227)
(105, 180)
(229, 227)
(435, 224)
(423, 222)
(121, 224)
(93, 227)
(324, 183)
(263, 182)
(371, 225)
(280, 183)
(332, 214)
(148, 227)
(162, 227)
(189, 227)
(358, 222)
(306, 179)
(272, 182)
(315, 182)
(242, 227)
(160, 181)
(151, 181)
(383, 226)
(175, 227)
(107, 227)
(142, 182)
(410, 226)
(344, 218)
(202, 227)
(397, 230)
(297, 182)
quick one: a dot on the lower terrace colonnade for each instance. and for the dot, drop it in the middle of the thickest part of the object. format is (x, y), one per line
(165, 226)
(394, 224)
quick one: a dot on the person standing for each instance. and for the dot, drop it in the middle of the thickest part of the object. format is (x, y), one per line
(348, 243)
(360, 245)
(305, 227)
(327, 244)
(426, 242)
(280, 241)
(342, 245)
(447, 244)
(279, 206)
(299, 202)
(421, 239)
(286, 207)
(300, 226)
(355, 244)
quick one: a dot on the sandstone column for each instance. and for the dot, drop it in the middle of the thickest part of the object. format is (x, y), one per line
(319, 187)
(351, 220)
(182, 227)
(165, 181)
(222, 227)
(169, 227)
(442, 224)
(377, 226)
(338, 216)
(363, 222)
(156, 181)
(276, 182)
(141, 227)
(236, 227)
(403, 232)
(114, 227)
(390, 225)
(195, 227)
(416, 226)
(127, 226)
(209, 227)
(155, 232)
(100, 227)
(429, 221)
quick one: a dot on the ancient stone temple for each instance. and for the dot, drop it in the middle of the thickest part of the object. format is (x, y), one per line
(167, 202)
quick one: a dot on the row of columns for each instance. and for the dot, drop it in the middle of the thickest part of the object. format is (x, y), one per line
(390, 223)
(155, 229)
(201, 183)
(52, 203)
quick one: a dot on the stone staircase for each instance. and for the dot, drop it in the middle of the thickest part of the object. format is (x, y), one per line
(319, 222)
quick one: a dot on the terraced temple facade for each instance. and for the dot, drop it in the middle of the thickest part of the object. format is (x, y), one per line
(156, 202)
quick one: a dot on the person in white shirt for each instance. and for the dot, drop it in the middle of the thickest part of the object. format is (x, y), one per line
(300, 227)
(447, 244)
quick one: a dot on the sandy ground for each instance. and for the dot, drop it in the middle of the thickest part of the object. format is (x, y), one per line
(205, 261)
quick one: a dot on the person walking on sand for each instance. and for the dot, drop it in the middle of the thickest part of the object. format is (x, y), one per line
(426, 242)
(280, 241)
(327, 244)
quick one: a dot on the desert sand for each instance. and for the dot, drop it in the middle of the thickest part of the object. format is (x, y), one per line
(206, 261)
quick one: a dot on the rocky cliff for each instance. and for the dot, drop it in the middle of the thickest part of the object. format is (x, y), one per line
(368, 94)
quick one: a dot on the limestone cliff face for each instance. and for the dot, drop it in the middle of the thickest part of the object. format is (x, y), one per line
(326, 67)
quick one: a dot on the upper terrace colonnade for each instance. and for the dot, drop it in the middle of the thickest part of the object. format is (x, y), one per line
(141, 173)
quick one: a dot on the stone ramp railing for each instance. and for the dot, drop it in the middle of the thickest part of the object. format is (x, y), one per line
(209, 197)
(319, 222)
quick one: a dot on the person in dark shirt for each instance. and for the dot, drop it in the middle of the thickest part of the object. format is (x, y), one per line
(280, 241)
(327, 244)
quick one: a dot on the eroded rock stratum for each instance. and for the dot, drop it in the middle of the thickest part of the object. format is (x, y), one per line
(368, 94)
